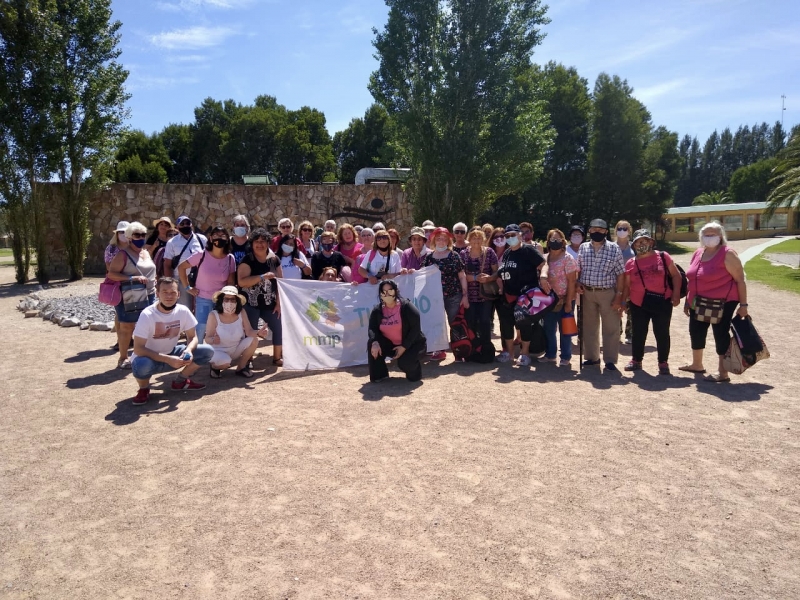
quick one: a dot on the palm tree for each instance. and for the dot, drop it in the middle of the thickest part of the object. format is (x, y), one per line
(708, 198)
(785, 180)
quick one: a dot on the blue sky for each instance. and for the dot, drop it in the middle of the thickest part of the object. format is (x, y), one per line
(698, 65)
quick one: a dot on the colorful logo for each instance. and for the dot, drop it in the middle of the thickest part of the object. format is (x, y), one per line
(325, 311)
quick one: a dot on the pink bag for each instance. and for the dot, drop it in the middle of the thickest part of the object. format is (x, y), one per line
(109, 292)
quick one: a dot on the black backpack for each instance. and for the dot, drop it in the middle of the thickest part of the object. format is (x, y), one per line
(668, 279)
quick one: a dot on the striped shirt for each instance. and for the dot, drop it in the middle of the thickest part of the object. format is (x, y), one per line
(600, 268)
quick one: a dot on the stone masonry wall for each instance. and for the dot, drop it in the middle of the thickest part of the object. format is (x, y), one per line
(208, 205)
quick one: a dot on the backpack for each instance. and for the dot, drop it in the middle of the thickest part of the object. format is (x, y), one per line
(668, 279)
(532, 304)
(462, 338)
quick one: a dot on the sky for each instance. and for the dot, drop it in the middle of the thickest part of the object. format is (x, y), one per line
(698, 65)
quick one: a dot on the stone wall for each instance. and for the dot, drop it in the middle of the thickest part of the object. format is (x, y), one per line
(208, 205)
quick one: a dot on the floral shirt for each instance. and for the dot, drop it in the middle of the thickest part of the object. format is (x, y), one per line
(110, 253)
(450, 266)
(475, 266)
(558, 271)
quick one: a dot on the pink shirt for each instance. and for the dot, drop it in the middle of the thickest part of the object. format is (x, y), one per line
(212, 275)
(557, 272)
(653, 270)
(391, 326)
(352, 253)
(710, 278)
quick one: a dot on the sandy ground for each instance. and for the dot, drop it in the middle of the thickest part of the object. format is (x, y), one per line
(485, 481)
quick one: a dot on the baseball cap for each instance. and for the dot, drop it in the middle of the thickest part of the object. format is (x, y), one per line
(599, 223)
(513, 228)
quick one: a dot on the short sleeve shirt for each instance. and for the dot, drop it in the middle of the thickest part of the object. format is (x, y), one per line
(291, 270)
(264, 293)
(319, 261)
(600, 268)
(519, 269)
(374, 262)
(161, 330)
(450, 266)
(557, 272)
(476, 266)
(212, 274)
(197, 243)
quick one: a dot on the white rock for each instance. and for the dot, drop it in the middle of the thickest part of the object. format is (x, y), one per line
(31, 313)
(70, 322)
(101, 326)
(47, 314)
(84, 325)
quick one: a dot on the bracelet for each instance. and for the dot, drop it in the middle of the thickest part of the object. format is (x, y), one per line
(743, 305)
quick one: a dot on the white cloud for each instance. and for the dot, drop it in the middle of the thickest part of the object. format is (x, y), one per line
(145, 82)
(192, 38)
(193, 5)
(660, 40)
(653, 92)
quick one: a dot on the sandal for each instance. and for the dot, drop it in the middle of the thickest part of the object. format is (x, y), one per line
(689, 369)
(278, 362)
(124, 363)
(716, 378)
(246, 373)
(215, 373)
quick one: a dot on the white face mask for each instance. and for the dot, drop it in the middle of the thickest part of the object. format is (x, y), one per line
(622, 234)
(576, 239)
(287, 248)
(122, 238)
(240, 231)
(441, 248)
(711, 241)
(229, 307)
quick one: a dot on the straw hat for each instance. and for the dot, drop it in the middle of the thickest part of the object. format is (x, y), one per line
(164, 220)
(229, 290)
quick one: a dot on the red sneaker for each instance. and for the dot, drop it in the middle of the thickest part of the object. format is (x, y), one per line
(187, 384)
(142, 397)
(438, 355)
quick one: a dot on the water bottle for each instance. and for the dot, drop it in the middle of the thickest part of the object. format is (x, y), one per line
(186, 356)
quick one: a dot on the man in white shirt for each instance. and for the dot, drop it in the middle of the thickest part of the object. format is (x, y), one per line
(178, 249)
(155, 343)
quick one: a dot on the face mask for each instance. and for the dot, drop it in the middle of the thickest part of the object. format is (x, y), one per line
(287, 249)
(576, 239)
(240, 231)
(500, 241)
(122, 238)
(622, 234)
(185, 230)
(229, 307)
(597, 236)
(441, 248)
(512, 240)
(138, 243)
(220, 243)
(555, 245)
(643, 249)
(326, 247)
(165, 307)
(711, 241)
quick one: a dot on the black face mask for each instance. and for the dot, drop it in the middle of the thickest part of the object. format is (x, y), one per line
(597, 236)
(327, 247)
(555, 245)
(185, 230)
(165, 307)
(220, 243)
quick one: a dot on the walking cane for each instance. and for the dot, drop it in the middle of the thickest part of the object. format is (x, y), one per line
(580, 337)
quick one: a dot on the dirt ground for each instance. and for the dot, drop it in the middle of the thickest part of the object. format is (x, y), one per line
(484, 481)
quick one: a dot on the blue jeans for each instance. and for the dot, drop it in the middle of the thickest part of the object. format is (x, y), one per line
(202, 308)
(144, 367)
(272, 320)
(551, 322)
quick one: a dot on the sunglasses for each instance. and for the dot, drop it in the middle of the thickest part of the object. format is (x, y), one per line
(307, 229)
(386, 293)
(459, 232)
(286, 226)
(138, 236)
(622, 229)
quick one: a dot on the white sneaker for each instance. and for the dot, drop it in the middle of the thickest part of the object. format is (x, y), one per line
(504, 357)
(565, 363)
(523, 360)
(627, 341)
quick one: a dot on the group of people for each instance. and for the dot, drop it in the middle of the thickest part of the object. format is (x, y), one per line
(206, 299)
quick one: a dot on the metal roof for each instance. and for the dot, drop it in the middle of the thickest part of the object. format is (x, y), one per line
(717, 208)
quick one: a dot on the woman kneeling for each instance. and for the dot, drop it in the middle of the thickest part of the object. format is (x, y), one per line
(394, 332)
(230, 334)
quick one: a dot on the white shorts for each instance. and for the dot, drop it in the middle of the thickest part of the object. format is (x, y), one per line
(225, 355)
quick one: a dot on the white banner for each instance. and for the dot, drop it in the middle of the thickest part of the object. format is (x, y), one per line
(325, 324)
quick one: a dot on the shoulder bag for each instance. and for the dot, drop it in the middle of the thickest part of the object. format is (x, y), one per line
(491, 289)
(177, 259)
(192, 274)
(134, 293)
(109, 289)
(653, 301)
(708, 310)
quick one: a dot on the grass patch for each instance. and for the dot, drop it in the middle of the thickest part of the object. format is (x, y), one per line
(6, 252)
(781, 278)
(673, 249)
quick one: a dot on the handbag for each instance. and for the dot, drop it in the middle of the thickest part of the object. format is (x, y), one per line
(742, 353)
(708, 310)
(191, 276)
(109, 289)
(134, 296)
(491, 289)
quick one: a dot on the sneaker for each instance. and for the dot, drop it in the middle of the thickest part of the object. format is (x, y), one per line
(565, 363)
(523, 360)
(438, 355)
(504, 357)
(634, 365)
(142, 397)
(187, 384)
(663, 368)
(627, 341)
(544, 359)
(591, 363)
(611, 367)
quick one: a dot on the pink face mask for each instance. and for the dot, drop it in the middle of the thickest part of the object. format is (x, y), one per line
(229, 307)
(499, 241)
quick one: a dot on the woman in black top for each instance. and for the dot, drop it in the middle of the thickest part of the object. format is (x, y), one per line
(395, 332)
(518, 270)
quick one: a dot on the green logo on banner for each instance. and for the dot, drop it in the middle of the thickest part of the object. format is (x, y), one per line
(325, 311)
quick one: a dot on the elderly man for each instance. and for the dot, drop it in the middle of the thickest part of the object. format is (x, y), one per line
(179, 249)
(601, 283)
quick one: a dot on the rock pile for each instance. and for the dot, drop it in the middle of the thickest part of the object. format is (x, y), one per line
(73, 311)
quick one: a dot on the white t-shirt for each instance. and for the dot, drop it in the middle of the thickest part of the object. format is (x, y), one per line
(374, 264)
(162, 330)
(572, 253)
(291, 270)
(197, 243)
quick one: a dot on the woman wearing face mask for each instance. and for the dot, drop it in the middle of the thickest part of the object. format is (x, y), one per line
(215, 269)
(132, 263)
(480, 265)
(394, 332)
(380, 263)
(293, 262)
(229, 333)
(622, 237)
(715, 273)
(519, 269)
(327, 256)
(159, 238)
(575, 240)
(307, 239)
(240, 244)
(117, 243)
(561, 275)
(650, 298)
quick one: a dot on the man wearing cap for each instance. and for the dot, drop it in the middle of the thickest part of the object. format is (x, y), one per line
(576, 238)
(412, 257)
(601, 283)
(179, 249)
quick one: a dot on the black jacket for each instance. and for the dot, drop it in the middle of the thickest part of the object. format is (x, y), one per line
(409, 317)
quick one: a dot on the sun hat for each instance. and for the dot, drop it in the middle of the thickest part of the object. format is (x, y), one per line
(642, 233)
(599, 223)
(577, 228)
(441, 231)
(417, 231)
(229, 290)
(121, 226)
(428, 225)
(165, 220)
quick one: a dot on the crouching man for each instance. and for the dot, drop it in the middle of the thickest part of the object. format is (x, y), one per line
(155, 342)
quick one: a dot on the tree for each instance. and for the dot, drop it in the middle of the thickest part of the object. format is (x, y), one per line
(456, 79)
(177, 141)
(250, 144)
(365, 143)
(661, 169)
(711, 198)
(786, 177)
(88, 110)
(690, 181)
(141, 159)
(211, 122)
(751, 183)
(305, 149)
